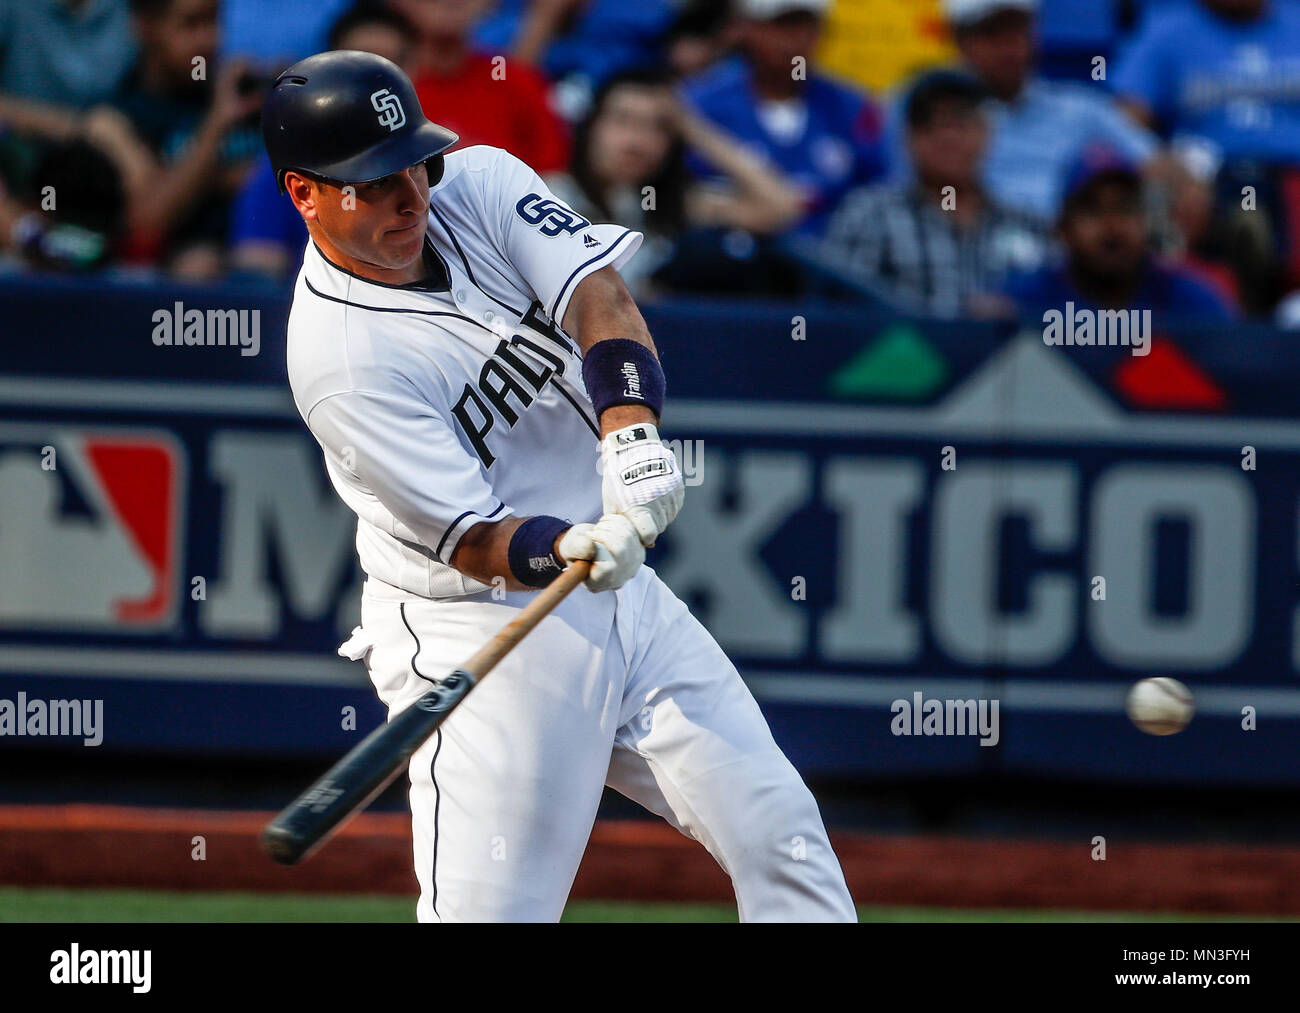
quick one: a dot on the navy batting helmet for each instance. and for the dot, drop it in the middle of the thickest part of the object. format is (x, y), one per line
(348, 117)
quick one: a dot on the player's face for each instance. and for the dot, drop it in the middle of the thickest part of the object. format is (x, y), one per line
(374, 226)
(633, 134)
(1105, 231)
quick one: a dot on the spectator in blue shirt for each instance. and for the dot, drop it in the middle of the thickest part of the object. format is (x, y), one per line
(1038, 127)
(1226, 71)
(822, 135)
(1108, 261)
(1222, 79)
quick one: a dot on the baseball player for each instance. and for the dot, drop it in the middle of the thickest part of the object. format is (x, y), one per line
(486, 395)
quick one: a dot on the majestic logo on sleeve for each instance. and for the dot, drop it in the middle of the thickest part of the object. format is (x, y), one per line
(550, 216)
(389, 108)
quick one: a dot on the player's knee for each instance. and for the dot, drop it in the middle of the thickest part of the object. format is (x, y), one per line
(789, 826)
(788, 867)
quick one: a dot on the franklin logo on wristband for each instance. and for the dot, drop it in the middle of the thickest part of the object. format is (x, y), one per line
(618, 371)
(633, 378)
(531, 554)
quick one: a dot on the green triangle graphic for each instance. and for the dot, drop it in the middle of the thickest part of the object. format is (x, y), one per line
(899, 364)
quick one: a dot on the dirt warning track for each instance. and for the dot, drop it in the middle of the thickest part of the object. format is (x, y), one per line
(112, 846)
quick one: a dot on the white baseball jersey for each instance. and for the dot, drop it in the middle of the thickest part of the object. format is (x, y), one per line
(459, 399)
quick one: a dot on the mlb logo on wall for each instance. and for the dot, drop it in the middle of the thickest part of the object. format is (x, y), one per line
(91, 533)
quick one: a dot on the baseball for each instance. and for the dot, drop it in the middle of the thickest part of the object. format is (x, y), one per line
(1160, 706)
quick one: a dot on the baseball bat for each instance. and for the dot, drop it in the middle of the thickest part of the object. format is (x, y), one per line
(373, 763)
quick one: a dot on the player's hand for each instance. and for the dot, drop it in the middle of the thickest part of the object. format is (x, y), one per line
(613, 546)
(641, 479)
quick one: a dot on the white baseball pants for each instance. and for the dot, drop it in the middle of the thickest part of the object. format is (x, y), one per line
(623, 688)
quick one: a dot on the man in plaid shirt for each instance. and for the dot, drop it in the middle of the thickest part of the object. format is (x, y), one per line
(938, 245)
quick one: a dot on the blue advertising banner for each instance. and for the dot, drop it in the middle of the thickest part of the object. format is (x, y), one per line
(880, 513)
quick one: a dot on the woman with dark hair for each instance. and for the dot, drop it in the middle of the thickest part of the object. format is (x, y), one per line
(629, 167)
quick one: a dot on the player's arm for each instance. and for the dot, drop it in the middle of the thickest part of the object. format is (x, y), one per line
(626, 384)
(406, 455)
(603, 309)
(530, 552)
(571, 265)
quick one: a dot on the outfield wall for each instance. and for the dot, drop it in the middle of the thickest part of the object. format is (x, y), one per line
(877, 508)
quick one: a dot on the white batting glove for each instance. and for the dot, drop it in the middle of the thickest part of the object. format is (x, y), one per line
(641, 479)
(612, 544)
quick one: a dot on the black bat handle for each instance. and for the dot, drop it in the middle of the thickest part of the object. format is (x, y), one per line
(367, 769)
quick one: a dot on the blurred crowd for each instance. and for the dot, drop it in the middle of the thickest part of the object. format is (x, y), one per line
(1156, 166)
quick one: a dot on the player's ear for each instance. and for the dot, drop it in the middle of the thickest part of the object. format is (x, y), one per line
(434, 167)
(303, 192)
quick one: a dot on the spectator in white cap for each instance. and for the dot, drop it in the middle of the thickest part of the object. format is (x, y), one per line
(1038, 127)
(822, 134)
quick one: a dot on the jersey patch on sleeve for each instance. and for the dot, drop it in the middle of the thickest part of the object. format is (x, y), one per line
(550, 216)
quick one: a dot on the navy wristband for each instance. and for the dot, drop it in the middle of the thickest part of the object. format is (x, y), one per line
(532, 550)
(620, 371)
